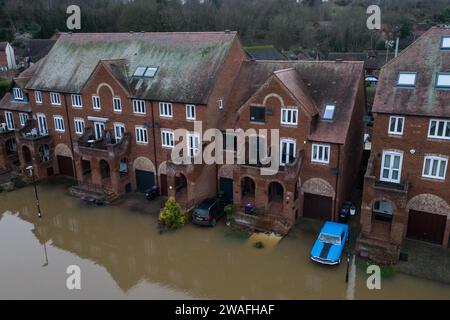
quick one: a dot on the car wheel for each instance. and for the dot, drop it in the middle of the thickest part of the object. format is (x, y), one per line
(213, 222)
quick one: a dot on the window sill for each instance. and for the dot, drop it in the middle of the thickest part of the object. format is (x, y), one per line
(430, 179)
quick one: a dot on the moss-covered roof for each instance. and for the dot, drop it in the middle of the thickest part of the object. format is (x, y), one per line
(187, 62)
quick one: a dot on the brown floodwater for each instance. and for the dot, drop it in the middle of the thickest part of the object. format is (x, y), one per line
(121, 255)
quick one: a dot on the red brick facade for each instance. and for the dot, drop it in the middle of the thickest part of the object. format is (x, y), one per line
(419, 204)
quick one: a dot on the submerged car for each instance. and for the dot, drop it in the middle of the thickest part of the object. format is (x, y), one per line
(331, 242)
(208, 212)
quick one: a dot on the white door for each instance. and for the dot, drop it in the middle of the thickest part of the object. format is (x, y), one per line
(42, 124)
(391, 167)
(287, 152)
(119, 130)
(99, 128)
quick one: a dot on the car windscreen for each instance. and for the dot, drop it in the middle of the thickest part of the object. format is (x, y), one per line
(328, 238)
(201, 212)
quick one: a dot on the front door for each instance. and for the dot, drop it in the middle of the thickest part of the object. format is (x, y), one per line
(163, 186)
(99, 128)
(226, 186)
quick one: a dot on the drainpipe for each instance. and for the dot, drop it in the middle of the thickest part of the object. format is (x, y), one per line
(154, 145)
(337, 183)
(70, 137)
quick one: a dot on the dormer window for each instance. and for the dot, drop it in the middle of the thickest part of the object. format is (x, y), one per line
(17, 94)
(445, 43)
(443, 80)
(406, 79)
(329, 112)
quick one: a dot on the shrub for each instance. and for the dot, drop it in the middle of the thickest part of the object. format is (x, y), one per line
(172, 216)
(258, 245)
(229, 210)
(4, 86)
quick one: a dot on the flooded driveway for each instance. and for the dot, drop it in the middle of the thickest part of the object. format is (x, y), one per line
(121, 255)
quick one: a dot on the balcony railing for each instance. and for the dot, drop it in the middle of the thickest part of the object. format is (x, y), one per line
(31, 132)
(106, 143)
(401, 186)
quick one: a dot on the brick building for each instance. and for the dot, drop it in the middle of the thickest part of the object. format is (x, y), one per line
(105, 107)
(407, 190)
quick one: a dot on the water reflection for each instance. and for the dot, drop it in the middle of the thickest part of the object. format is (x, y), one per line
(200, 262)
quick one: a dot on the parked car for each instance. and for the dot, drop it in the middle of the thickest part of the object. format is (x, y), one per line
(330, 243)
(208, 212)
(152, 193)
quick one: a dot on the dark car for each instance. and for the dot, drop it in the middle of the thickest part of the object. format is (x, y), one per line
(152, 193)
(208, 212)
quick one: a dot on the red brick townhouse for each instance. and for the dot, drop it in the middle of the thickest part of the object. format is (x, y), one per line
(407, 186)
(318, 107)
(105, 106)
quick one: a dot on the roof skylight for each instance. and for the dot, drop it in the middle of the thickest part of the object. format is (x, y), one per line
(146, 72)
(329, 112)
(445, 42)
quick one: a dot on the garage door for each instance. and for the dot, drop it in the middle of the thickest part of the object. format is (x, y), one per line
(426, 226)
(144, 180)
(226, 186)
(317, 207)
(65, 166)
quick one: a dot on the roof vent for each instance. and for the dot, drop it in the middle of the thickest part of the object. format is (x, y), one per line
(339, 60)
(131, 31)
(228, 31)
(142, 31)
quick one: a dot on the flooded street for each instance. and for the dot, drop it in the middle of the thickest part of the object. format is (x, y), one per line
(122, 255)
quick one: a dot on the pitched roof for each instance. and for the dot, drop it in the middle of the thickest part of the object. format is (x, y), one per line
(6, 103)
(325, 82)
(36, 49)
(188, 62)
(292, 81)
(426, 58)
(267, 52)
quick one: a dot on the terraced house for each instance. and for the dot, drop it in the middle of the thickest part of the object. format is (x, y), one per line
(407, 188)
(103, 108)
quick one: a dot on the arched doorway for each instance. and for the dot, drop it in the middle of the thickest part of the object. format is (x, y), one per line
(248, 191)
(27, 155)
(144, 171)
(105, 171)
(11, 146)
(181, 187)
(275, 192)
(123, 167)
(382, 211)
(86, 169)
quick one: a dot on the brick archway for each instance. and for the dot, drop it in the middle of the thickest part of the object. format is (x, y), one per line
(318, 186)
(429, 203)
(143, 163)
(226, 171)
(62, 150)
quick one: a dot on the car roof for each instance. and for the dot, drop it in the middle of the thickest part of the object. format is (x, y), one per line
(333, 228)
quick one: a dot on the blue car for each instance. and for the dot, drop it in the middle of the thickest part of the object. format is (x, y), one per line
(331, 242)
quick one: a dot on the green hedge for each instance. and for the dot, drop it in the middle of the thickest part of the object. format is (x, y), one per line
(4, 86)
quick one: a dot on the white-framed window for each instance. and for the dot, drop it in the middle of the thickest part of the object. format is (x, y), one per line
(193, 144)
(165, 109)
(406, 79)
(55, 98)
(42, 124)
(443, 80)
(391, 166)
(119, 131)
(329, 112)
(79, 125)
(190, 112)
(117, 104)
(435, 167)
(396, 125)
(445, 42)
(289, 116)
(9, 120)
(139, 106)
(287, 151)
(23, 117)
(96, 105)
(320, 153)
(38, 97)
(141, 135)
(59, 123)
(167, 139)
(77, 102)
(439, 129)
(17, 93)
